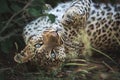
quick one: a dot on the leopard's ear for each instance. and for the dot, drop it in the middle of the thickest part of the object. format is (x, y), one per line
(48, 6)
(19, 58)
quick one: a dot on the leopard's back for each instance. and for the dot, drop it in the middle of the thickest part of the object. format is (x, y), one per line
(103, 26)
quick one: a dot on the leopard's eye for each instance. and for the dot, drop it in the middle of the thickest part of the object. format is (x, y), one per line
(53, 55)
(38, 45)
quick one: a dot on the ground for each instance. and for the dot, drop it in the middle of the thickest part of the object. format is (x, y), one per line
(99, 68)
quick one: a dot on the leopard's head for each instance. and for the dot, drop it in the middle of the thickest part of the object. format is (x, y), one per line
(46, 49)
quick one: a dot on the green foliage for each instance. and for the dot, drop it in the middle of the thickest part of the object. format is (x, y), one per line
(34, 12)
(52, 17)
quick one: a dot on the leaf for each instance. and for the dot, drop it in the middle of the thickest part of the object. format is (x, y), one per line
(34, 12)
(4, 6)
(52, 17)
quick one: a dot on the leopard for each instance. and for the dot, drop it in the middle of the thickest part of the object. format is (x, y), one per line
(78, 26)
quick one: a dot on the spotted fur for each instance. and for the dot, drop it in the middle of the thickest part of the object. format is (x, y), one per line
(99, 21)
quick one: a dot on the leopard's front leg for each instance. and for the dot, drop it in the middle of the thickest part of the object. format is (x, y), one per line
(77, 13)
(74, 22)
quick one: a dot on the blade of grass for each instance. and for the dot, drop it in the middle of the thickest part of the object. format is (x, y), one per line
(117, 39)
(103, 54)
(75, 64)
